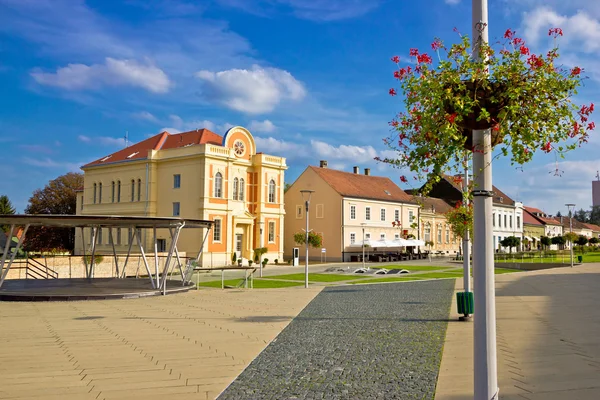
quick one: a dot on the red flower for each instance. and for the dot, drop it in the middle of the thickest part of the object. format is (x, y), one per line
(517, 41)
(535, 61)
(526, 150)
(496, 128)
(451, 117)
(509, 34)
(424, 58)
(395, 59)
(591, 107)
(547, 147)
(403, 179)
(437, 44)
(414, 52)
(555, 32)
(575, 71)
(524, 50)
(591, 126)
(394, 123)
(392, 92)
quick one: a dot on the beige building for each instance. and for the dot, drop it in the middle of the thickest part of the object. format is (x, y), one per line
(435, 228)
(342, 205)
(196, 174)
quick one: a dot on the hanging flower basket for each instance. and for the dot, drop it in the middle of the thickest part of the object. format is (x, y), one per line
(524, 98)
(490, 96)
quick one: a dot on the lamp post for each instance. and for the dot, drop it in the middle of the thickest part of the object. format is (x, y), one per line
(306, 194)
(466, 238)
(261, 224)
(485, 366)
(569, 205)
(363, 244)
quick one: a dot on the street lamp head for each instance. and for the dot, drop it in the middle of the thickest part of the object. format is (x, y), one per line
(306, 194)
(570, 205)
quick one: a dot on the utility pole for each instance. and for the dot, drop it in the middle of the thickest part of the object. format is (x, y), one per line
(485, 366)
(569, 205)
(306, 194)
(466, 238)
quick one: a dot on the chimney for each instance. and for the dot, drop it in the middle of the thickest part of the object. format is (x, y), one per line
(367, 171)
(355, 170)
(323, 164)
(561, 219)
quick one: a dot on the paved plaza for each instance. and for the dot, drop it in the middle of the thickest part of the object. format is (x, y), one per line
(355, 341)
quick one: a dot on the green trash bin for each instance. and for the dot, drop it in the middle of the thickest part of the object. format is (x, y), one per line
(465, 303)
(580, 259)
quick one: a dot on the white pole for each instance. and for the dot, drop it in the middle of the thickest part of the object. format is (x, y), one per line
(466, 244)
(363, 247)
(485, 366)
(306, 258)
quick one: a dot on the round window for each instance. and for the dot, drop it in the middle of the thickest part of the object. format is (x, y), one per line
(239, 148)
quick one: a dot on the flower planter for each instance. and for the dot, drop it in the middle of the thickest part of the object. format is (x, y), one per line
(492, 99)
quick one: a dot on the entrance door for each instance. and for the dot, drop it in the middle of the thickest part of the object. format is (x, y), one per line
(238, 244)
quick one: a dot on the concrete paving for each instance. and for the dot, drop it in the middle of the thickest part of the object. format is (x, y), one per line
(185, 346)
(548, 343)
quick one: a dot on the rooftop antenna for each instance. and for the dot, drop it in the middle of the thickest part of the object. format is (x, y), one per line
(598, 175)
(126, 138)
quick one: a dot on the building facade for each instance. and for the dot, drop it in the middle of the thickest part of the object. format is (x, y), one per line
(343, 206)
(197, 174)
(533, 230)
(507, 213)
(435, 228)
(552, 227)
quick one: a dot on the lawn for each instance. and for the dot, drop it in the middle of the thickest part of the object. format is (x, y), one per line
(318, 277)
(440, 275)
(505, 271)
(413, 267)
(559, 258)
(258, 283)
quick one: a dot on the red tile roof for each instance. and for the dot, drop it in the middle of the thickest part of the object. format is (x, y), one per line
(548, 221)
(428, 204)
(529, 219)
(576, 224)
(361, 186)
(498, 194)
(593, 227)
(161, 141)
(534, 210)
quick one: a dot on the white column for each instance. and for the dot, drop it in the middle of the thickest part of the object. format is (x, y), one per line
(466, 238)
(486, 377)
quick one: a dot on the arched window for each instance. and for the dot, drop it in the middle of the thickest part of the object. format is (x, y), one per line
(118, 191)
(236, 184)
(100, 192)
(439, 233)
(218, 185)
(139, 190)
(133, 190)
(113, 190)
(272, 191)
(242, 189)
(95, 192)
(447, 234)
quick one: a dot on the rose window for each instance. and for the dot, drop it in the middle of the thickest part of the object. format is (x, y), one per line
(239, 148)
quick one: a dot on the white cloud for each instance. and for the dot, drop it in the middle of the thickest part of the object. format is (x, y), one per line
(265, 126)
(112, 73)
(182, 126)
(50, 163)
(314, 10)
(145, 115)
(452, 2)
(103, 140)
(358, 154)
(254, 91)
(276, 146)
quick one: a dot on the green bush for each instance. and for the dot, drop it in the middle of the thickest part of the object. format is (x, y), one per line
(88, 259)
(265, 261)
(276, 261)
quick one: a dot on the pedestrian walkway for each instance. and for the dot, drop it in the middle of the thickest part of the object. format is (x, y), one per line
(548, 343)
(185, 346)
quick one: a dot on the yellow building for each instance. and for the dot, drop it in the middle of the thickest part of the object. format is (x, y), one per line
(342, 206)
(435, 228)
(196, 174)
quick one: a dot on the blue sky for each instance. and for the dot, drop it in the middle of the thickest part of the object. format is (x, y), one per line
(309, 78)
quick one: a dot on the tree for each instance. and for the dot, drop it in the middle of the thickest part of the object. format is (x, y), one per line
(595, 215)
(581, 240)
(460, 219)
(510, 242)
(559, 240)
(6, 208)
(571, 237)
(581, 215)
(545, 241)
(558, 214)
(59, 196)
(286, 187)
(594, 240)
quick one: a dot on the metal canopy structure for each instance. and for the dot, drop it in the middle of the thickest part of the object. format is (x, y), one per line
(158, 280)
